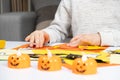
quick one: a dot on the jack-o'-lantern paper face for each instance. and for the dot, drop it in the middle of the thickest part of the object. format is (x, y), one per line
(84, 67)
(22, 61)
(49, 63)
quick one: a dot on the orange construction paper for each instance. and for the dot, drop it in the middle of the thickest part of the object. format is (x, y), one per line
(65, 47)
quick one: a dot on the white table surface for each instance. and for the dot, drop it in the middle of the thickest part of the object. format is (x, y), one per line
(32, 73)
(13, 44)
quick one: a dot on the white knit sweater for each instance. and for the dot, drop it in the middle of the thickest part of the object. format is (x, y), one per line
(87, 16)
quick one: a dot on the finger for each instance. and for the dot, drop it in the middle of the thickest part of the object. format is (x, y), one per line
(42, 39)
(37, 40)
(74, 38)
(74, 42)
(32, 40)
(27, 38)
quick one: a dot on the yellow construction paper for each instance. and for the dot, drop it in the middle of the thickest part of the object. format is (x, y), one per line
(2, 44)
(104, 56)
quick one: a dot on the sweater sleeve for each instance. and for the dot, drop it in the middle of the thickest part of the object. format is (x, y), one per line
(110, 37)
(58, 29)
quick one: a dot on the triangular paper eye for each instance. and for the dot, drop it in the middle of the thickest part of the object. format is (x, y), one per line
(49, 63)
(21, 61)
(88, 66)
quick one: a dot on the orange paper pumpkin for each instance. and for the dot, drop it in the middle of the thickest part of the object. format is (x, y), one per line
(88, 66)
(19, 61)
(52, 63)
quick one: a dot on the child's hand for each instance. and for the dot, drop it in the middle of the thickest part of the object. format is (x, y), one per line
(85, 40)
(37, 38)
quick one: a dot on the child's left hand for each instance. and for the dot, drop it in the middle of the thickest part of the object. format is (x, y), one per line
(92, 39)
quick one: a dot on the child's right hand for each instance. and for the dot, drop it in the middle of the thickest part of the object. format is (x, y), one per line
(37, 38)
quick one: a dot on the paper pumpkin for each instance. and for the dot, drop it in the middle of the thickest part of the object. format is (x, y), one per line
(19, 61)
(52, 63)
(88, 66)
